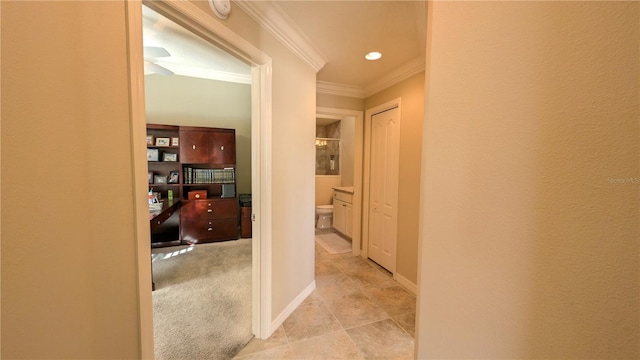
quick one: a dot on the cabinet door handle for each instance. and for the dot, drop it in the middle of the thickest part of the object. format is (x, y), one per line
(210, 229)
(222, 147)
(209, 210)
(194, 147)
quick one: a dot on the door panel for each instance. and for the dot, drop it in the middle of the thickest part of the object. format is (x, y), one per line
(223, 149)
(194, 147)
(383, 203)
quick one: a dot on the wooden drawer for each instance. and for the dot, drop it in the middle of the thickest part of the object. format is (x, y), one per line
(209, 209)
(209, 230)
(343, 196)
(158, 220)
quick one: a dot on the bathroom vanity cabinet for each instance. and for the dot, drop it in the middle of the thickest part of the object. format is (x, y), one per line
(343, 212)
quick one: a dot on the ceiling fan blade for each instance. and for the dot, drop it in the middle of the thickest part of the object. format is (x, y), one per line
(156, 69)
(155, 52)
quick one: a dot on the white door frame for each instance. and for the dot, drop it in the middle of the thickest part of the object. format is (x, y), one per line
(366, 184)
(192, 18)
(356, 238)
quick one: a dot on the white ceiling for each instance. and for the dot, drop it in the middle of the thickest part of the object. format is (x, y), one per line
(190, 54)
(339, 32)
(344, 31)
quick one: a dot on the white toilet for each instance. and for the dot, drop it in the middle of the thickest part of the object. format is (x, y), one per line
(324, 214)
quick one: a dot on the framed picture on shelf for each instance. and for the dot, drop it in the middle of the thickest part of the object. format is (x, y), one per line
(150, 177)
(173, 177)
(159, 179)
(162, 141)
(150, 139)
(169, 157)
(152, 154)
(175, 141)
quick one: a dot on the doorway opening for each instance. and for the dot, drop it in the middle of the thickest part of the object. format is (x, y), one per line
(202, 284)
(350, 177)
(200, 23)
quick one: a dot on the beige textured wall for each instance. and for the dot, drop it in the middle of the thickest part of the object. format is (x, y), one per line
(181, 100)
(324, 188)
(294, 109)
(530, 242)
(340, 102)
(69, 267)
(347, 156)
(293, 188)
(412, 93)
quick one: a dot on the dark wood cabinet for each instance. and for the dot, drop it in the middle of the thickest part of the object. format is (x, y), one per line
(208, 160)
(209, 220)
(222, 147)
(165, 225)
(205, 160)
(208, 146)
(194, 146)
(163, 159)
(245, 222)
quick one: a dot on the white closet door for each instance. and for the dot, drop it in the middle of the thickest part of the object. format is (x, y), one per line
(383, 204)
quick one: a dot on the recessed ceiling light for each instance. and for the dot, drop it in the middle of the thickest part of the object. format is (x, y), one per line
(374, 55)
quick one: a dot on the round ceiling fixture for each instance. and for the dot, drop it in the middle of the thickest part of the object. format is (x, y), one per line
(374, 55)
(221, 8)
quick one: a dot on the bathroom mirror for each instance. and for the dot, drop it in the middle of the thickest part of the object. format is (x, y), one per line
(327, 156)
(327, 146)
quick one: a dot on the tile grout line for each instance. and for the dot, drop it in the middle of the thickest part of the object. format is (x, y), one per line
(339, 322)
(363, 292)
(339, 263)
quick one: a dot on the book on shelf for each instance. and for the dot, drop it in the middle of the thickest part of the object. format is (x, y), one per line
(209, 176)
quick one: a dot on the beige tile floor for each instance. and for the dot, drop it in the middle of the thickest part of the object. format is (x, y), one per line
(357, 311)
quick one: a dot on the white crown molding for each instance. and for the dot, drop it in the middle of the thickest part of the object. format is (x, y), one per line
(411, 68)
(331, 88)
(271, 16)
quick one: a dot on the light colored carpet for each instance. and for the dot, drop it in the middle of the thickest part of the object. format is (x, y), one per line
(333, 243)
(202, 301)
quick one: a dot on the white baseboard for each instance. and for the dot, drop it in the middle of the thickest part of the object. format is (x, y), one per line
(293, 305)
(413, 288)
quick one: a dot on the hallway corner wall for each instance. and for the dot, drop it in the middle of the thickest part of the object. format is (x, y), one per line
(529, 234)
(69, 256)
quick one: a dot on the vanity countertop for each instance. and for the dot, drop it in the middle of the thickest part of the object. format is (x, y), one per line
(347, 189)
